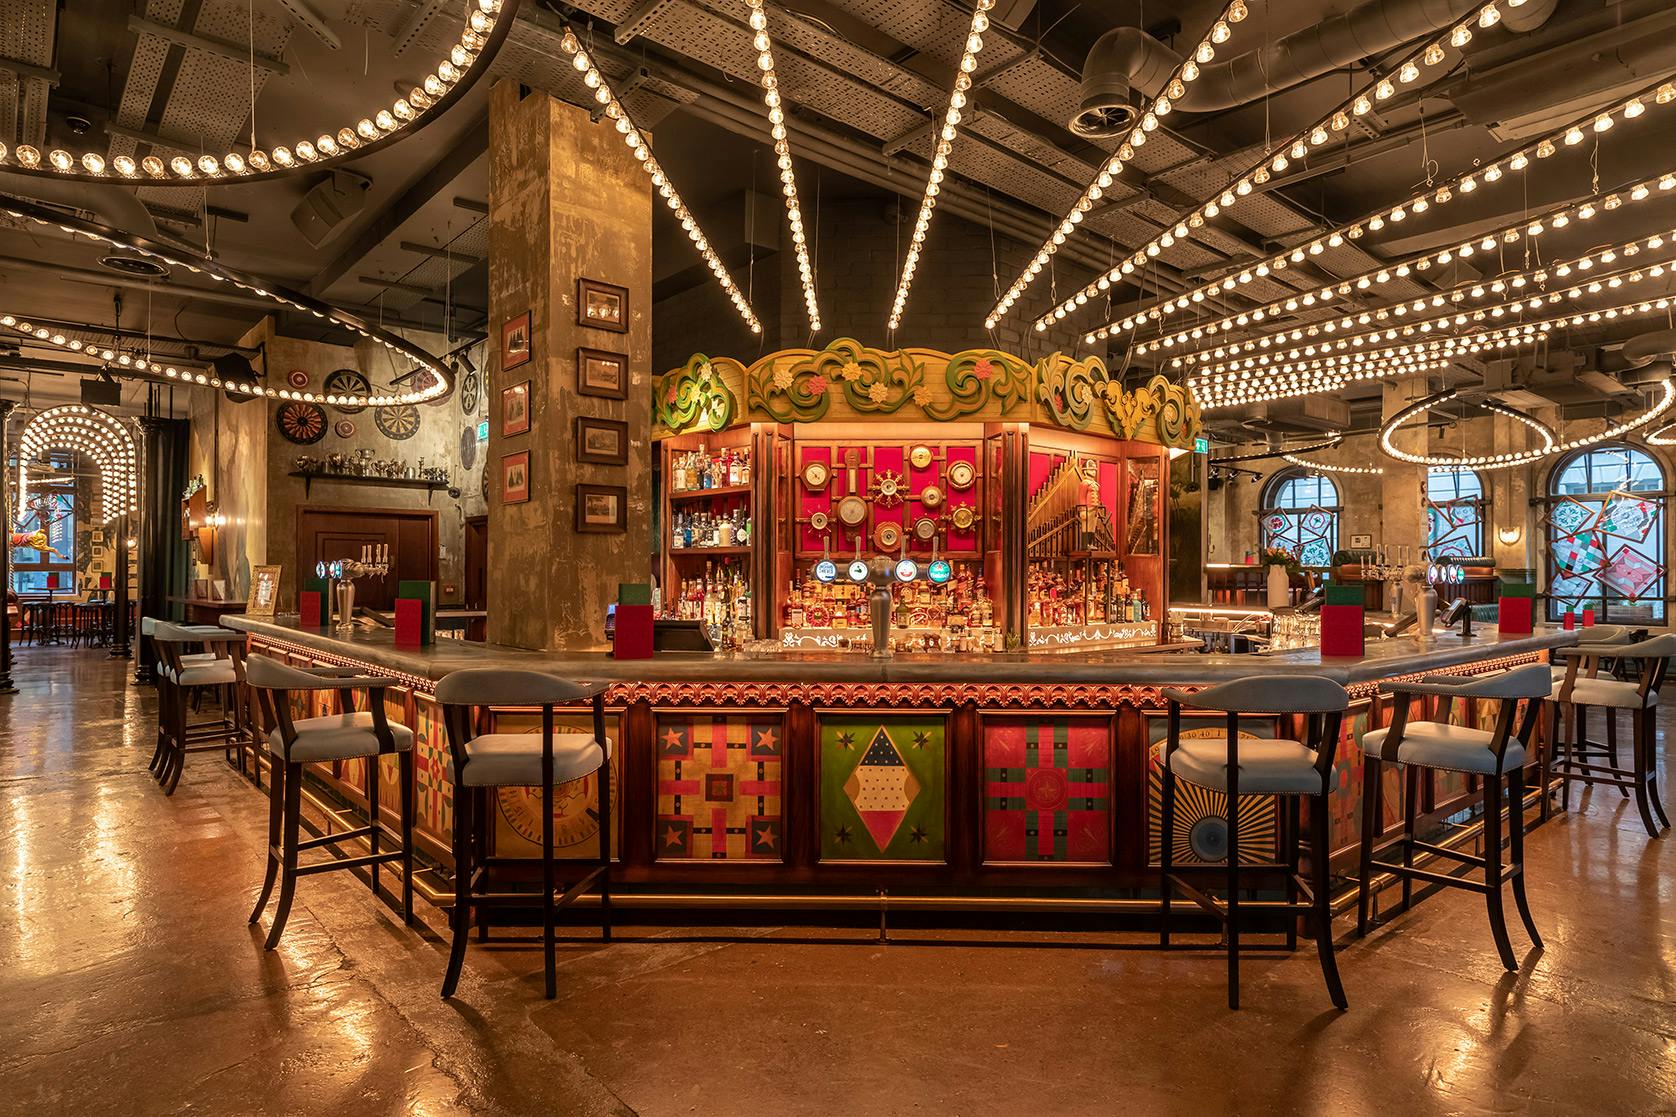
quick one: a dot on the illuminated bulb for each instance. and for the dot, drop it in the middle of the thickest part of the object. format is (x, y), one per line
(95, 163)
(305, 151)
(385, 120)
(124, 165)
(181, 165)
(1434, 54)
(1204, 54)
(1461, 36)
(60, 159)
(1573, 136)
(1409, 73)
(1220, 32)
(1384, 90)
(282, 156)
(1490, 16)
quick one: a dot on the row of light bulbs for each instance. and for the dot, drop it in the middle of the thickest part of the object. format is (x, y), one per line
(1331, 440)
(1467, 182)
(613, 108)
(782, 152)
(462, 57)
(944, 144)
(1325, 467)
(435, 381)
(1550, 444)
(101, 437)
(1607, 281)
(1149, 121)
(1395, 271)
(1431, 55)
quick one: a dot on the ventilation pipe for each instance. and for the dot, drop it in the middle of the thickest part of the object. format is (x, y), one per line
(1127, 59)
(111, 205)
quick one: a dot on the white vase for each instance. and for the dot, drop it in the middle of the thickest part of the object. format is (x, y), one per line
(1280, 587)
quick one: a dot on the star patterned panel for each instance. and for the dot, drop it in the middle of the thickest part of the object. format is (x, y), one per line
(882, 788)
(720, 788)
(1047, 790)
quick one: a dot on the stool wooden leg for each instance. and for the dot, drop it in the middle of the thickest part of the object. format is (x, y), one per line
(461, 918)
(1641, 748)
(161, 749)
(177, 753)
(1567, 760)
(1319, 845)
(291, 824)
(549, 962)
(1612, 742)
(1516, 850)
(1544, 761)
(1291, 835)
(1410, 812)
(404, 765)
(481, 813)
(372, 817)
(1233, 889)
(1373, 788)
(605, 850)
(276, 811)
(1492, 870)
(1166, 853)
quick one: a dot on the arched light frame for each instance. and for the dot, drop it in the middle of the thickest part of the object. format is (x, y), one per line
(1551, 444)
(467, 60)
(438, 386)
(102, 437)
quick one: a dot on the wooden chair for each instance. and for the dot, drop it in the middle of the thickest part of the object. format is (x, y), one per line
(1586, 762)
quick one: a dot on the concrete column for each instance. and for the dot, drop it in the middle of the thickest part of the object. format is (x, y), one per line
(1402, 488)
(567, 200)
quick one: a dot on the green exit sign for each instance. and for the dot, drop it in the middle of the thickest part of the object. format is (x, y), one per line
(1201, 445)
(483, 431)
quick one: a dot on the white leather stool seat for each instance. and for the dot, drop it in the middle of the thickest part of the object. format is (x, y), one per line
(211, 672)
(514, 759)
(1613, 693)
(1452, 748)
(1276, 767)
(337, 737)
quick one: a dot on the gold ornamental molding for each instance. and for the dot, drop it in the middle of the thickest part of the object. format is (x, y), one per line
(848, 382)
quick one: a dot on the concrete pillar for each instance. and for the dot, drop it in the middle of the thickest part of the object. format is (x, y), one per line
(567, 201)
(1402, 488)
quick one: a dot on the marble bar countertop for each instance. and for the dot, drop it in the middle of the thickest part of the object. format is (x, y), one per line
(1404, 655)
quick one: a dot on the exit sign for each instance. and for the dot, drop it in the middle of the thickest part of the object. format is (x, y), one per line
(1201, 445)
(483, 431)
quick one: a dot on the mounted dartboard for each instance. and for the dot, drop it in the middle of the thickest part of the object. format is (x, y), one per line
(468, 393)
(468, 447)
(302, 423)
(399, 421)
(346, 382)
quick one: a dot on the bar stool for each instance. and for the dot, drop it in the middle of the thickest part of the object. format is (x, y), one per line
(366, 734)
(480, 762)
(1581, 687)
(1596, 634)
(182, 675)
(1492, 756)
(1287, 769)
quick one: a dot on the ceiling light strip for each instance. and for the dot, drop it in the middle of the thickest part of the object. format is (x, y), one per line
(481, 35)
(782, 152)
(1161, 105)
(1606, 281)
(1431, 55)
(944, 144)
(437, 385)
(613, 108)
(1662, 93)
(1507, 460)
(1324, 467)
(1332, 439)
(123, 362)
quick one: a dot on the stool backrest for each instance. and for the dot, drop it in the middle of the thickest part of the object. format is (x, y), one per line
(460, 691)
(272, 681)
(1321, 701)
(266, 673)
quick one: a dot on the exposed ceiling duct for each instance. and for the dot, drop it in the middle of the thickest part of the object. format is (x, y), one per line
(1127, 59)
(109, 205)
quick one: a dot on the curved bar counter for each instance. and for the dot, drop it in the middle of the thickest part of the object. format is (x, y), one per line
(799, 779)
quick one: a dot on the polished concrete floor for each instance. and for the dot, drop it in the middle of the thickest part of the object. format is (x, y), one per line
(130, 984)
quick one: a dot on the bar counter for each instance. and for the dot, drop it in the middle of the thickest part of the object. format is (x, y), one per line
(829, 778)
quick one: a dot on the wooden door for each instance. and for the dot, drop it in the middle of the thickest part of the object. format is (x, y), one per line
(338, 533)
(477, 563)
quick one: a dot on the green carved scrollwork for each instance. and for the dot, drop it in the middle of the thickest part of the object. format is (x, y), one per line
(694, 396)
(789, 391)
(974, 377)
(1069, 389)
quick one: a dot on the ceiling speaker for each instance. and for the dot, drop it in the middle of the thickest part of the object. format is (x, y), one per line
(334, 200)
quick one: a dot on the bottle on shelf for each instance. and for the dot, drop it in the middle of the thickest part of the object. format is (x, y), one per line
(698, 470)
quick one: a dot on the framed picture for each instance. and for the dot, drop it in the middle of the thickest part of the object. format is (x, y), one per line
(515, 409)
(601, 441)
(1361, 542)
(600, 372)
(515, 341)
(264, 591)
(601, 509)
(602, 305)
(515, 478)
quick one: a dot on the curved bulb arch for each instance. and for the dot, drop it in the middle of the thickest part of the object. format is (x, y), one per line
(103, 438)
(1550, 441)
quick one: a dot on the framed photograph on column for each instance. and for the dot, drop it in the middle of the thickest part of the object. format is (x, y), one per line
(604, 306)
(601, 509)
(601, 441)
(600, 372)
(515, 478)
(515, 341)
(515, 409)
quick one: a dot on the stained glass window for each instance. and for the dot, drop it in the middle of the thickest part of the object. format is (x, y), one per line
(1300, 513)
(50, 511)
(1605, 527)
(1454, 513)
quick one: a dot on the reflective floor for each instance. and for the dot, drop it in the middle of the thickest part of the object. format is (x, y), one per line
(130, 983)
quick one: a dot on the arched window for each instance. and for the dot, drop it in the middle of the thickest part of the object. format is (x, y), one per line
(1605, 528)
(1454, 513)
(1300, 513)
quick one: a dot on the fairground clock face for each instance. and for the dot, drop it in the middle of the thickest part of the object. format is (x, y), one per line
(575, 812)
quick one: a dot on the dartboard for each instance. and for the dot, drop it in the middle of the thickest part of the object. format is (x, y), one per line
(346, 381)
(302, 423)
(468, 393)
(1201, 822)
(468, 447)
(399, 421)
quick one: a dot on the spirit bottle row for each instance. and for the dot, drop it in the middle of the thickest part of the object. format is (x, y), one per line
(1078, 597)
(697, 470)
(720, 598)
(697, 530)
(961, 604)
